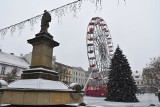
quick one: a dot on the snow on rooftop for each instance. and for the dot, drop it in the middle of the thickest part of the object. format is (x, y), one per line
(13, 60)
(38, 84)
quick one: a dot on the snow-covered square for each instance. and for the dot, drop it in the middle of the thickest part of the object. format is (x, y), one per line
(144, 101)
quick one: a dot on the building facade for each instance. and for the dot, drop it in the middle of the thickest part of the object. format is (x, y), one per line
(151, 80)
(8, 62)
(79, 76)
(139, 81)
(64, 71)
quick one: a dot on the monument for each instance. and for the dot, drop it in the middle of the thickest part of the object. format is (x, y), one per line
(40, 85)
(43, 44)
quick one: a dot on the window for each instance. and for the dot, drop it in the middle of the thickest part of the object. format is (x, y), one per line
(136, 76)
(141, 82)
(3, 70)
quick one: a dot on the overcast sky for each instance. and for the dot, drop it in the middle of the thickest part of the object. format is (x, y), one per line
(134, 26)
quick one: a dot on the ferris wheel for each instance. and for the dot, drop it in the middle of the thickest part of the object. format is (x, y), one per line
(99, 45)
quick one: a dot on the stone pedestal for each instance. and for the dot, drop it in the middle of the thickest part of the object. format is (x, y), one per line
(40, 98)
(39, 92)
(41, 63)
(36, 73)
(42, 53)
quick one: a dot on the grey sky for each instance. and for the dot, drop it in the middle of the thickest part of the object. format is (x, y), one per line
(134, 26)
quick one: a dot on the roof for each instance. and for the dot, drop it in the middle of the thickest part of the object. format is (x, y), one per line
(63, 65)
(79, 68)
(12, 60)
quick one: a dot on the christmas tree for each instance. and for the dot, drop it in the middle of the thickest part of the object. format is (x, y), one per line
(121, 85)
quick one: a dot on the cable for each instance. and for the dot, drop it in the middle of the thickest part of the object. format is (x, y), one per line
(58, 11)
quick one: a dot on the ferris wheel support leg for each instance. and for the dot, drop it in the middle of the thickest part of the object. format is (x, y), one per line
(87, 81)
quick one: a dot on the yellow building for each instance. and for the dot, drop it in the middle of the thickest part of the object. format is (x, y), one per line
(65, 72)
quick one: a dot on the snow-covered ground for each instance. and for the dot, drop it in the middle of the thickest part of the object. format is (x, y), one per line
(145, 101)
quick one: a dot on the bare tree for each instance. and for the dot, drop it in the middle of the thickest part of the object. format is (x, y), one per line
(11, 76)
(151, 75)
(62, 72)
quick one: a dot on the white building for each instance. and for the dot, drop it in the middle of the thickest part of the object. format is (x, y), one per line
(28, 57)
(9, 61)
(139, 80)
(79, 75)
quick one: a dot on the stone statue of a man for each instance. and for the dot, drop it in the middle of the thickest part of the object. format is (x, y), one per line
(46, 18)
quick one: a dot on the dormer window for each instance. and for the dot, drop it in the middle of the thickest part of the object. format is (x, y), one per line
(136, 76)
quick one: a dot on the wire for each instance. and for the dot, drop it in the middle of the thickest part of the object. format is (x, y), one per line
(59, 12)
(39, 15)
